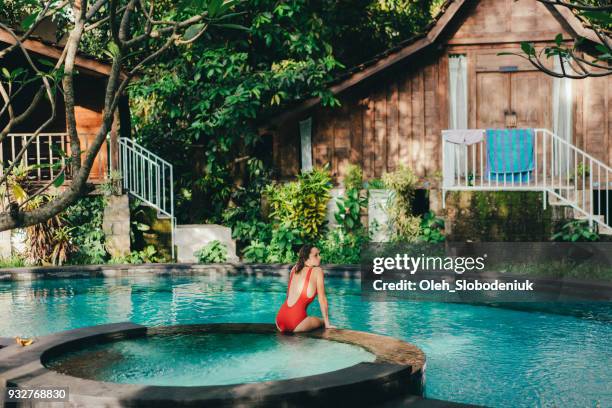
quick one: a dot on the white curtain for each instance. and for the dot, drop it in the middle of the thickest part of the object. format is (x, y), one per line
(562, 112)
(458, 115)
(306, 144)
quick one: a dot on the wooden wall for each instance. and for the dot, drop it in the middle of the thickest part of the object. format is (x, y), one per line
(398, 120)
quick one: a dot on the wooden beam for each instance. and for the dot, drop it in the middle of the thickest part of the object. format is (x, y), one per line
(52, 52)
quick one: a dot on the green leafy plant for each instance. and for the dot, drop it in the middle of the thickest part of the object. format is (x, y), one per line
(284, 244)
(62, 245)
(340, 247)
(406, 226)
(256, 251)
(49, 242)
(375, 184)
(575, 231)
(432, 228)
(302, 205)
(147, 255)
(14, 261)
(112, 183)
(213, 252)
(85, 218)
(348, 214)
(354, 177)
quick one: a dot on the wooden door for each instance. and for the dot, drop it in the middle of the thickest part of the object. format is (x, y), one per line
(531, 99)
(493, 98)
(513, 99)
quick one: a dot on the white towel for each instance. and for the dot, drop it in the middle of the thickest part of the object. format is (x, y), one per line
(464, 136)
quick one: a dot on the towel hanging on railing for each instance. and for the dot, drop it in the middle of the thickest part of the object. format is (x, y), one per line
(510, 155)
(463, 136)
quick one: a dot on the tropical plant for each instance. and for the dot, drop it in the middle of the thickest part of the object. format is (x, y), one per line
(575, 231)
(112, 183)
(147, 255)
(244, 213)
(402, 182)
(48, 242)
(375, 184)
(301, 205)
(354, 177)
(256, 251)
(213, 252)
(340, 247)
(63, 246)
(432, 228)
(284, 244)
(348, 214)
(85, 218)
(13, 261)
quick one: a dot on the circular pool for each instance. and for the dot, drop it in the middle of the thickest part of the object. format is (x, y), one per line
(204, 358)
(216, 365)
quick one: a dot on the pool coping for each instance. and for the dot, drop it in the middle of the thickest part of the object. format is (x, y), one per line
(592, 290)
(399, 369)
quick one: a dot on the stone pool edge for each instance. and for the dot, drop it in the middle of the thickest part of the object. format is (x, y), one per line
(398, 370)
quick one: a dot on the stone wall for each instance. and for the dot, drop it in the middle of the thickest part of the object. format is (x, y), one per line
(499, 216)
(190, 238)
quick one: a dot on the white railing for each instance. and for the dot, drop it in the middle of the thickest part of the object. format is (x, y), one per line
(149, 178)
(41, 153)
(568, 174)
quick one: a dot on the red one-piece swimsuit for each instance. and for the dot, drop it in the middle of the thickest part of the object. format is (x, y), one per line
(289, 317)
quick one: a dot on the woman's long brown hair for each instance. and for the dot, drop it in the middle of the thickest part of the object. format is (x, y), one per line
(303, 255)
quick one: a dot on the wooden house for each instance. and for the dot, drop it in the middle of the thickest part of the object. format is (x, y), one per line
(89, 86)
(395, 107)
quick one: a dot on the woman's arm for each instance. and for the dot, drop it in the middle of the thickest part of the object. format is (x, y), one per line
(323, 298)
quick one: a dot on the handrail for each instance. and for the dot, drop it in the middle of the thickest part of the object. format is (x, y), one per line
(572, 146)
(149, 178)
(559, 169)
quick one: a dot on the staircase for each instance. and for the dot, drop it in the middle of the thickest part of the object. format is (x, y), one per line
(563, 173)
(148, 178)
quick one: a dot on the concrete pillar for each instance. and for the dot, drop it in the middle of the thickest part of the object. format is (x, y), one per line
(435, 201)
(116, 225)
(5, 244)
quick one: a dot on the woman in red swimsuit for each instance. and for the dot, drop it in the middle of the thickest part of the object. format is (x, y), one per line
(305, 282)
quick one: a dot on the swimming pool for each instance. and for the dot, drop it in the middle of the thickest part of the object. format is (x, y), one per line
(475, 354)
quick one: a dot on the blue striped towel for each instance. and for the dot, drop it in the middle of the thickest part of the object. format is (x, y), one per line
(510, 154)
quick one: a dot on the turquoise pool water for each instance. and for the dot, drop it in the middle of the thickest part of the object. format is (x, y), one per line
(208, 359)
(475, 354)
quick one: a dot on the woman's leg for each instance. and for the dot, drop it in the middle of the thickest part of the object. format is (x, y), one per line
(308, 324)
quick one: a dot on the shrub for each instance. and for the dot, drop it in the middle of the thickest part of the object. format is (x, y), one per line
(353, 178)
(375, 184)
(348, 214)
(432, 228)
(576, 231)
(49, 241)
(213, 252)
(14, 261)
(402, 182)
(148, 255)
(85, 218)
(340, 247)
(256, 251)
(285, 241)
(301, 204)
